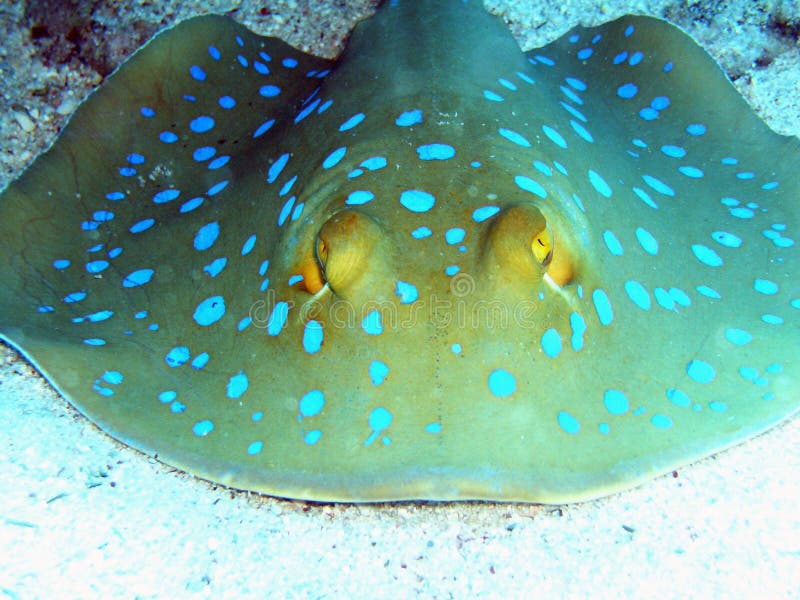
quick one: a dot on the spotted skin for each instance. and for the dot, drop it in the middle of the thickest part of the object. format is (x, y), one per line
(437, 267)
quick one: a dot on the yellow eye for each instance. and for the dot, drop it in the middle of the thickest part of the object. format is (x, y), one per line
(542, 246)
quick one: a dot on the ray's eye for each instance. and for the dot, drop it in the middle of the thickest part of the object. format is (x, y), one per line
(542, 246)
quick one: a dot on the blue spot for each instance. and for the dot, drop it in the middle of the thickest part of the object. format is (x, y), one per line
(192, 204)
(775, 368)
(312, 437)
(551, 343)
(95, 342)
(201, 124)
(244, 323)
(455, 348)
(215, 267)
(203, 428)
(147, 112)
(417, 201)
(718, 406)
(378, 372)
(249, 245)
(568, 423)
(660, 102)
(772, 319)
(113, 377)
(603, 307)
(204, 153)
(637, 294)
(217, 188)
(678, 398)
(115, 196)
(372, 324)
(167, 396)
(226, 102)
(616, 402)
(127, 171)
(269, 91)
(61, 263)
(696, 129)
(647, 241)
(578, 329)
(421, 233)
(206, 236)
(334, 158)
(581, 131)
(286, 211)
(255, 448)
(451, 270)
(177, 356)
(766, 287)
(479, 215)
(658, 185)
(289, 63)
(166, 196)
(137, 278)
(599, 184)
(311, 404)
(661, 421)
(692, 172)
(168, 137)
(352, 122)
(313, 336)
(200, 361)
(612, 243)
(218, 163)
(374, 163)
(726, 239)
(502, 383)
(209, 311)
(408, 118)
(263, 128)
(584, 53)
(490, 95)
(406, 291)
(277, 319)
(102, 315)
(454, 235)
(433, 427)
(708, 292)
(738, 336)
(635, 59)
(673, 151)
(514, 137)
(237, 385)
(627, 91)
(359, 197)
(529, 185)
(436, 152)
(197, 73)
(96, 266)
(629, 30)
(554, 136)
(706, 255)
(648, 114)
(700, 371)
(379, 419)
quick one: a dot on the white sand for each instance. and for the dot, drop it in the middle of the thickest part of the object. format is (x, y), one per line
(82, 516)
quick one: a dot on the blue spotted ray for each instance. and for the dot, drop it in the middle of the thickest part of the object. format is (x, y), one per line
(436, 267)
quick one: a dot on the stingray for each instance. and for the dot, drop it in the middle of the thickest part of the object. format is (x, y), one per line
(436, 267)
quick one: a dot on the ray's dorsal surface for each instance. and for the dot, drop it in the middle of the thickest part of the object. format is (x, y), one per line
(436, 268)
